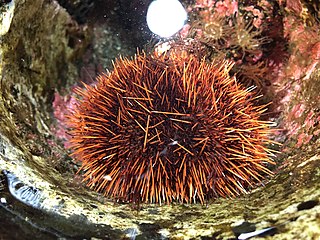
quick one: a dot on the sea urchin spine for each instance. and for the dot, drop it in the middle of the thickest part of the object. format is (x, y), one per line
(161, 129)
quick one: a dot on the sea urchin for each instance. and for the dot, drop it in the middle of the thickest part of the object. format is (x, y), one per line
(161, 129)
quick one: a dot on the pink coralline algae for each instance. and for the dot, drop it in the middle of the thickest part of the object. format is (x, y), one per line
(301, 130)
(294, 5)
(258, 16)
(204, 3)
(226, 8)
(308, 126)
(61, 105)
(306, 54)
(211, 9)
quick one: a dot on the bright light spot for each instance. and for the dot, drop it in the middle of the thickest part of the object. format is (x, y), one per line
(107, 177)
(166, 17)
(173, 143)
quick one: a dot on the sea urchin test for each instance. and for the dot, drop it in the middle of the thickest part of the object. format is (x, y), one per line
(166, 17)
(168, 128)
